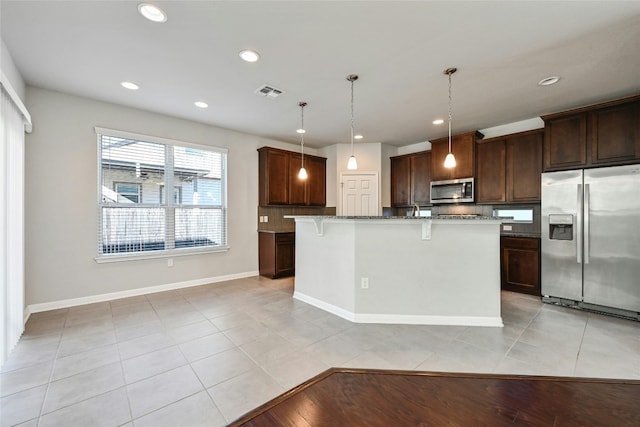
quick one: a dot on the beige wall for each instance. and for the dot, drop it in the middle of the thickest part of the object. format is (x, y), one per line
(61, 197)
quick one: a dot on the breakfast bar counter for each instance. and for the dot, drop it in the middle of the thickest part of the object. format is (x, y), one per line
(443, 270)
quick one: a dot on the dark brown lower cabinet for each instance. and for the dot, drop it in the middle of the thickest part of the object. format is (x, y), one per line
(277, 254)
(520, 264)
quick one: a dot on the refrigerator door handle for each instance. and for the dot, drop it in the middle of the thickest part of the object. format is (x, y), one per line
(587, 213)
(578, 230)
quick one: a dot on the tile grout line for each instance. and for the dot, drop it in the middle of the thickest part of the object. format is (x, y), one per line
(124, 379)
(189, 363)
(78, 373)
(53, 367)
(238, 347)
(534, 317)
(584, 330)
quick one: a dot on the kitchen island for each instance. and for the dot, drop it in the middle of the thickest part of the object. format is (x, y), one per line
(407, 270)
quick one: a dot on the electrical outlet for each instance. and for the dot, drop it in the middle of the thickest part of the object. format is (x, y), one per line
(507, 227)
(266, 218)
(364, 283)
(170, 262)
(261, 218)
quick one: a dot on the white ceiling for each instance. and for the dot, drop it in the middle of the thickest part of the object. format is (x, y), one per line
(398, 48)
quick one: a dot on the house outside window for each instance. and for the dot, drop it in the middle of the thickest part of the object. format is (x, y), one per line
(135, 217)
(177, 194)
(129, 191)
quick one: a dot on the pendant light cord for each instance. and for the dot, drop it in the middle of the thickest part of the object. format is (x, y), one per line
(352, 117)
(352, 164)
(450, 111)
(302, 134)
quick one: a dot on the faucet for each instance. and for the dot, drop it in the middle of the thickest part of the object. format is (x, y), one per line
(415, 210)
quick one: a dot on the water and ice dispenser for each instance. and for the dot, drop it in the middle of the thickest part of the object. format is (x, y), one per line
(561, 227)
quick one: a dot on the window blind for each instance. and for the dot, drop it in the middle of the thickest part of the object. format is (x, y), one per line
(13, 120)
(136, 216)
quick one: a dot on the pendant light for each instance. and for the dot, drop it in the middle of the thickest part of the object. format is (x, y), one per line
(352, 164)
(450, 160)
(302, 174)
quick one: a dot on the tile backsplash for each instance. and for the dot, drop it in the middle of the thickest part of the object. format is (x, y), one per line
(532, 228)
(275, 216)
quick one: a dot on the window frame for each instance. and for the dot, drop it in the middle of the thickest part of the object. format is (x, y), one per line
(176, 188)
(510, 219)
(163, 253)
(138, 186)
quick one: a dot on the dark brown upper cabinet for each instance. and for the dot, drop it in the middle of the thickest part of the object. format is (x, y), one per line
(615, 133)
(273, 177)
(421, 178)
(491, 181)
(278, 182)
(524, 166)
(463, 147)
(410, 179)
(601, 135)
(296, 186)
(401, 181)
(316, 189)
(509, 168)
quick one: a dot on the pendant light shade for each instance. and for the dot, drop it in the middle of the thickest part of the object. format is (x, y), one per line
(352, 164)
(450, 160)
(302, 173)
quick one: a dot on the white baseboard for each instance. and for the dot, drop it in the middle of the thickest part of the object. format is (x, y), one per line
(413, 319)
(333, 309)
(402, 319)
(54, 305)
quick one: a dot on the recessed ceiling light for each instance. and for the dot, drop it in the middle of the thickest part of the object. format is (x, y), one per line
(201, 104)
(130, 86)
(549, 81)
(438, 122)
(358, 136)
(301, 130)
(249, 55)
(152, 12)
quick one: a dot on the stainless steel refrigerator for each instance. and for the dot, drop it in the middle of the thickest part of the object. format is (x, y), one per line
(591, 239)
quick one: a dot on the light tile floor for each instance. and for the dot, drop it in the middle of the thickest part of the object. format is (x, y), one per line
(204, 356)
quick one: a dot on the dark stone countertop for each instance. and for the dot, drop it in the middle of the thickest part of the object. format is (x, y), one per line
(520, 234)
(458, 217)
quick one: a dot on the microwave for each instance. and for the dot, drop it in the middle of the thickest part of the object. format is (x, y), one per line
(452, 191)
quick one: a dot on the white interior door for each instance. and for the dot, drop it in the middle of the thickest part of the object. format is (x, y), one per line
(359, 194)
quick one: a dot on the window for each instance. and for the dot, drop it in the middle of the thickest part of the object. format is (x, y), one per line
(515, 215)
(135, 216)
(423, 212)
(177, 194)
(128, 191)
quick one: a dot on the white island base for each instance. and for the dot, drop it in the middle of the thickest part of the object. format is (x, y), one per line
(400, 270)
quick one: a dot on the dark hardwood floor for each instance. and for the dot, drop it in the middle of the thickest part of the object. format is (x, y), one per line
(355, 397)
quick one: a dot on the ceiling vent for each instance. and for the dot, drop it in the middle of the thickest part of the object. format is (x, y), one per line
(268, 91)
